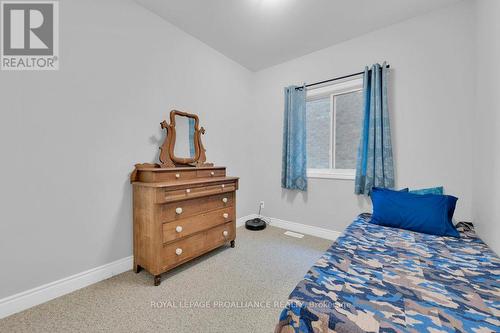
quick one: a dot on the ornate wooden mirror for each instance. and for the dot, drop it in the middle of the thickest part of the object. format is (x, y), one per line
(182, 145)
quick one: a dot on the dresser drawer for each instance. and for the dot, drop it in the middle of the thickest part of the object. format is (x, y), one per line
(190, 247)
(211, 173)
(169, 212)
(167, 195)
(177, 175)
(165, 175)
(188, 226)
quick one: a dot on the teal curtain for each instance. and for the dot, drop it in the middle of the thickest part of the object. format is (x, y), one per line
(191, 137)
(294, 160)
(374, 167)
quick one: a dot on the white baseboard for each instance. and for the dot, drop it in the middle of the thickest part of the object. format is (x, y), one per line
(293, 226)
(49, 291)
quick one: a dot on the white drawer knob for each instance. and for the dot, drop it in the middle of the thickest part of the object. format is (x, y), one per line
(178, 210)
(178, 251)
(178, 228)
(223, 186)
(177, 175)
(225, 233)
(212, 173)
(224, 200)
(226, 215)
(188, 190)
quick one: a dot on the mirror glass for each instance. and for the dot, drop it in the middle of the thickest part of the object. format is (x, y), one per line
(184, 137)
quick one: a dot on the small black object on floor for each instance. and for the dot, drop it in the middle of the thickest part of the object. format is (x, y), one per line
(255, 224)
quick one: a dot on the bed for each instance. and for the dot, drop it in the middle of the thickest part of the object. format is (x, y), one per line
(381, 279)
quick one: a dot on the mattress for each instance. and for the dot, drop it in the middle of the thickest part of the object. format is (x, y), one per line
(381, 279)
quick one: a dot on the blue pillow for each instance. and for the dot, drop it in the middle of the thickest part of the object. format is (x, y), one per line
(427, 213)
(439, 190)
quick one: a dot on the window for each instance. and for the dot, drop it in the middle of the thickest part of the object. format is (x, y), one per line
(334, 117)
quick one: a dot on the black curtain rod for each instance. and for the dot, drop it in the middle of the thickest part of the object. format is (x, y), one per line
(335, 79)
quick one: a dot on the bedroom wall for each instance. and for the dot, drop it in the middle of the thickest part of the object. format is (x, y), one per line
(486, 161)
(432, 96)
(71, 137)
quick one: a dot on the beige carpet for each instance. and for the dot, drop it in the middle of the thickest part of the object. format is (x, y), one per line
(230, 290)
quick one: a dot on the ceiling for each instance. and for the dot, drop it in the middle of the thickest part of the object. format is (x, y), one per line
(261, 33)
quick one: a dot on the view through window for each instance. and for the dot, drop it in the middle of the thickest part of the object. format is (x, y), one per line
(334, 118)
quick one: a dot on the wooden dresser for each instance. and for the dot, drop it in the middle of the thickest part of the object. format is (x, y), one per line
(180, 214)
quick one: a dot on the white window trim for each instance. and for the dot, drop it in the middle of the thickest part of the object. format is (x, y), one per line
(347, 174)
(333, 126)
(333, 90)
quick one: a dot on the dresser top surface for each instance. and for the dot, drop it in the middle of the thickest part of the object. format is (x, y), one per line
(187, 182)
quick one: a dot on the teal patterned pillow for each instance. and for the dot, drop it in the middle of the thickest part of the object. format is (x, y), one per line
(431, 190)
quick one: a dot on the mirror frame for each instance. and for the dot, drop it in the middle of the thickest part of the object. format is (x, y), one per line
(167, 156)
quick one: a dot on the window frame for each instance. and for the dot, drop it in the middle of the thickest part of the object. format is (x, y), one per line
(331, 90)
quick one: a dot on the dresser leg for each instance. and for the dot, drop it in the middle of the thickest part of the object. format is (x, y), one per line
(157, 280)
(232, 243)
(137, 268)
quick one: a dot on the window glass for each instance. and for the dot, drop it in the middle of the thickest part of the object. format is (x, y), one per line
(334, 118)
(348, 120)
(318, 117)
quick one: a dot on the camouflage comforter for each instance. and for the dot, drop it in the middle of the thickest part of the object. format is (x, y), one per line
(380, 279)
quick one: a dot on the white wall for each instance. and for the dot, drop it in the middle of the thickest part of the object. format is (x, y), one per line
(486, 160)
(431, 105)
(71, 137)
